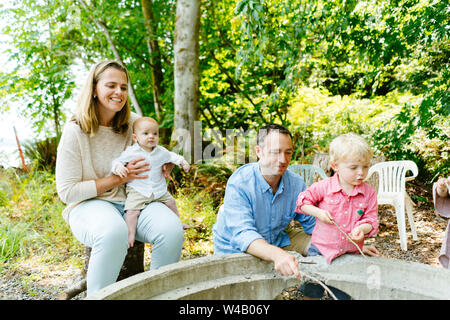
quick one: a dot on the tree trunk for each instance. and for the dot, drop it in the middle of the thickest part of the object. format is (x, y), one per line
(102, 25)
(186, 76)
(155, 56)
(133, 264)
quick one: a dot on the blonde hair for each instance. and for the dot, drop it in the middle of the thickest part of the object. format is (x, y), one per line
(86, 113)
(350, 146)
(142, 119)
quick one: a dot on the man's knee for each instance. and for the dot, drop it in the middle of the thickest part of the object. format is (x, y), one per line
(300, 240)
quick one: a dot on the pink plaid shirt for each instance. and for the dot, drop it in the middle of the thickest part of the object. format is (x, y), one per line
(348, 211)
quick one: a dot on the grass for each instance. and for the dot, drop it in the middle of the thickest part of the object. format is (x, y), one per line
(31, 221)
(199, 211)
(32, 229)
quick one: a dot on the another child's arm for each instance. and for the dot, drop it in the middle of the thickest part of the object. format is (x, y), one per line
(178, 160)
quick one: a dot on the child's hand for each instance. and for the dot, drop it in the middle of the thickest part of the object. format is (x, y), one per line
(442, 187)
(324, 216)
(185, 165)
(121, 172)
(357, 234)
(186, 226)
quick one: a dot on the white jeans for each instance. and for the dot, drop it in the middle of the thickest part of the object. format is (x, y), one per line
(100, 225)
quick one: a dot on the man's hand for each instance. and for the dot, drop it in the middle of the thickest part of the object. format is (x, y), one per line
(286, 264)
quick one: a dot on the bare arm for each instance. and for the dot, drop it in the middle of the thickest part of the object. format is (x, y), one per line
(284, 263)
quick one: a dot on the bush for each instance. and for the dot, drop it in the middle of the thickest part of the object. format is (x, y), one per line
(399, 125)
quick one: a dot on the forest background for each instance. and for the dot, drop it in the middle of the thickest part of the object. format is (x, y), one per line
(321, 68)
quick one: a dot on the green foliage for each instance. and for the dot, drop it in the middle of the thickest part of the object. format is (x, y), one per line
(42, 152)
(14, 239)
(380, 68)
(317, 117)
(198, 211)
(31, 221)
(418, 134)
(42, 80)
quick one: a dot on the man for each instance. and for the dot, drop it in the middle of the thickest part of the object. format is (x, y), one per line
(260, 200)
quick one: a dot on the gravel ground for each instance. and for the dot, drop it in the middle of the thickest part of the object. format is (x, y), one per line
(34, 280)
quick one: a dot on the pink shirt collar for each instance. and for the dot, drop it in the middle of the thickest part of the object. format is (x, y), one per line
(335, 186)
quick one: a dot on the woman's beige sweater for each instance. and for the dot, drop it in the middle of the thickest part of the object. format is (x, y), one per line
(81, 159)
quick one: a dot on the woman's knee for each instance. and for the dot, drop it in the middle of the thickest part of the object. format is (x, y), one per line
(98, 222)
(160, 224)
(114, 234)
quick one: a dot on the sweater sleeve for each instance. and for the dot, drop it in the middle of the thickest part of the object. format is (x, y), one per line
(68, 174)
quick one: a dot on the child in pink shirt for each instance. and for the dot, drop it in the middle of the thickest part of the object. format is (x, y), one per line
(344, 199)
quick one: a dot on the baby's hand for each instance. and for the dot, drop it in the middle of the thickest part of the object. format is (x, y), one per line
(185, 166)
(325, 216)
(121, 172)
(357, 234)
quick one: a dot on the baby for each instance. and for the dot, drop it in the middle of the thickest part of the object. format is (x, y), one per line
(140, 192)
(344, 199)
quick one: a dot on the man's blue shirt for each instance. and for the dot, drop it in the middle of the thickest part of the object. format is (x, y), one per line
(251, 211)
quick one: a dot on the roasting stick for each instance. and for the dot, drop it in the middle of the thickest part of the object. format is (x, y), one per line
(344, 233)
(322, 284)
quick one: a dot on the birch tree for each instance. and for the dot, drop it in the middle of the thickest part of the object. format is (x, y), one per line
(186, 75)
(102, 25)
(155, 56)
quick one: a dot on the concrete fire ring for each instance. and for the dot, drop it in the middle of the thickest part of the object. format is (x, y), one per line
(244, 277)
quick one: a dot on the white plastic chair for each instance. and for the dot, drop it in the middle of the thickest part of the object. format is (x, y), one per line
(308, 172)
(391, 190)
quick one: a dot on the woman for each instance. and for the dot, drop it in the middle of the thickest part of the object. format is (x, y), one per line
(98, 132)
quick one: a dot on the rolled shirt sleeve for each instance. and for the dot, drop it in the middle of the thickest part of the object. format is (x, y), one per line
(251, 211)
(240, 220)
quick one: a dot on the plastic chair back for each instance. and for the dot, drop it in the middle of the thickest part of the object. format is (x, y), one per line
(391, 190)
(392, 175)
(308, 172)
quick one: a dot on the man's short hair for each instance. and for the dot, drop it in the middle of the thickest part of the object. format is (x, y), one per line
(264, 131)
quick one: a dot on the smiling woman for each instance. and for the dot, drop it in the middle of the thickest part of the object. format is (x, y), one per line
(107, 80)
(111, 93)
(99, 131)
